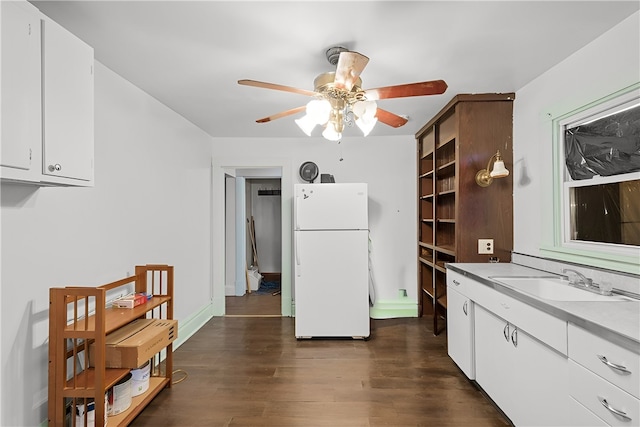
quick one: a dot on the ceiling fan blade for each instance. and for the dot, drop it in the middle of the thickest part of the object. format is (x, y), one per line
(282, 114)
(349, 68)
(389, 118)
(434, 87)
(277, 87)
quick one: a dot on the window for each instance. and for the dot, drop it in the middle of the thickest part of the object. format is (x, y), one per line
(597, 162)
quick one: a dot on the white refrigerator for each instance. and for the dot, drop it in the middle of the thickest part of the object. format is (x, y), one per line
(331, 250)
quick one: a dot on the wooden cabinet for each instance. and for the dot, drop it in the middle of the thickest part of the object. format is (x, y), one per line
(453, 211)
(47, 101)
(79, 317)
(526, 378)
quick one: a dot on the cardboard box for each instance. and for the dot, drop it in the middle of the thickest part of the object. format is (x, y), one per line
(134, 344)
(130, 301)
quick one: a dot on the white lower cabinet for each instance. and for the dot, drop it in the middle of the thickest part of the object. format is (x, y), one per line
(526, 378)
(460, 317)
(604, 377)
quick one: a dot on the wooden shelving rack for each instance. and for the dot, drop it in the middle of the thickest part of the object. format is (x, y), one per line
(453, 211)
(79, 317)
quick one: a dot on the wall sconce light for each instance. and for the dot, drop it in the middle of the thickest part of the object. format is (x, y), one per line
(484, 178)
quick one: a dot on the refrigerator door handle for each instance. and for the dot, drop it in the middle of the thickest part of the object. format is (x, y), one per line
(297, 255)
(297, 212)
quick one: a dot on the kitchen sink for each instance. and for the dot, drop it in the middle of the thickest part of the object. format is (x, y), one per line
(556, 289)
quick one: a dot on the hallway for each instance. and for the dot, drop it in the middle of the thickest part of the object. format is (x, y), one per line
(251, 371)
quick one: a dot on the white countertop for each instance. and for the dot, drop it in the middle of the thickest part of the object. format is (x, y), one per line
(618, 321)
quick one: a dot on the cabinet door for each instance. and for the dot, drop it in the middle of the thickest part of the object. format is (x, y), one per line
(67, 104)
(21, 116)
(460, 331)
(526, 379)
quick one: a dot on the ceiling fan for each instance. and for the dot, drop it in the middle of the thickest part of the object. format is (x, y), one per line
(339, 99)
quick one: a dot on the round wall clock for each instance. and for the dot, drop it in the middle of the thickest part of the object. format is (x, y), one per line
(309, 171)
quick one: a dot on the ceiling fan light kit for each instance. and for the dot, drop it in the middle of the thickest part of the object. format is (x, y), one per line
(340, 100)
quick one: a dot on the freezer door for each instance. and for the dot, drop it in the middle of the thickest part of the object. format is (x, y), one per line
(331, 284)
(330, 207)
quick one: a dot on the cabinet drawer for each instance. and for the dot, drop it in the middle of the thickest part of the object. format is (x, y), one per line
(458, 282)
(592, 352)
(543, 326)
(589, 389)
(581, 416)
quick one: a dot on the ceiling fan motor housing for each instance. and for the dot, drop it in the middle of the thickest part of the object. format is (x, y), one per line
(333, 53)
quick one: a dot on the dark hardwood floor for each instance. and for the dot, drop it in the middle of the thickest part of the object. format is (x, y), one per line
(251, 371)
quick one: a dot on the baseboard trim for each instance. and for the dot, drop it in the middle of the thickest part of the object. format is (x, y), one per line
(389, 309)
(191, 325)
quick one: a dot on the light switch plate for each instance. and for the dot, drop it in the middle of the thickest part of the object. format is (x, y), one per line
(485, 246)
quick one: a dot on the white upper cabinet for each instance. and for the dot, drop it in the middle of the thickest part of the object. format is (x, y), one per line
(67, 80)
(47, 101)
(21, 112)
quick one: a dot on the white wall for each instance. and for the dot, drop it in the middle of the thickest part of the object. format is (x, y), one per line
(608, 64)
(150, 204)
(267, 214)
(388, 165)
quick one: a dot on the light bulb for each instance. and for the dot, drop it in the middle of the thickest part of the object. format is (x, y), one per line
(330, 133)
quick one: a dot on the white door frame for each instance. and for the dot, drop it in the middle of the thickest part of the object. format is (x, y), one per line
(218, 226)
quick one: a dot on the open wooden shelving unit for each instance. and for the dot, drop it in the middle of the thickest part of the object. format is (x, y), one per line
(453, 211)
(78, 318)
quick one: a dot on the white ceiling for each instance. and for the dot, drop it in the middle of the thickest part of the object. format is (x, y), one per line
(190, 54)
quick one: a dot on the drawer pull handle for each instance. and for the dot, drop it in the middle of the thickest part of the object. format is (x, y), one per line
(464, 308)
(613, 410)
(505, 332)
(514, 337)
(620, 368)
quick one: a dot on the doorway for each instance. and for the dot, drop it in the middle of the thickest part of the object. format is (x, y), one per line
(221, 167)
(257, 286)
(253, 243)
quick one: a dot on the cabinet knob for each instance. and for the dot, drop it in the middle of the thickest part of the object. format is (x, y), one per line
(57, 167)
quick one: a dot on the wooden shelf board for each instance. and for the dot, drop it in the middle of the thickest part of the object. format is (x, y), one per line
(426, 292)
(441, 268)
(447, 220)
(111, 376)
(427, 220)
(443, 143)
(425, 261)
(428, 174)
(445, 249)
(426, 196)
(442, 301)
(446, 167)
(427, 154)
(425, 245)
(115, 317)
(447, 192)
(138, 403)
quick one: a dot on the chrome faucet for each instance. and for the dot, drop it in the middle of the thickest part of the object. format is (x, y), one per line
(586, 281)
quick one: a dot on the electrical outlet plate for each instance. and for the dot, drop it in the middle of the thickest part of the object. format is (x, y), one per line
(485, 246)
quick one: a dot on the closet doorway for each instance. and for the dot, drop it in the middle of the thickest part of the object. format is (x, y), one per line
(253, 243)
